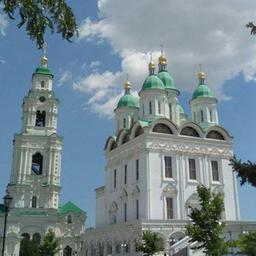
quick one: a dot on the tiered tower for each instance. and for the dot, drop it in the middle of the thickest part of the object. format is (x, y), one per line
(36, 167)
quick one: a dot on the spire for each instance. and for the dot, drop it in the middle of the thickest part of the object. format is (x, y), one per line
(201, 75)
(44, 59)
(162, 60)
(151, 65)
(127, 85)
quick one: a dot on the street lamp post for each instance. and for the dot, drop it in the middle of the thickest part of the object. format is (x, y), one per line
(7, 203)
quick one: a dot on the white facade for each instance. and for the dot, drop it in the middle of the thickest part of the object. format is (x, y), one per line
(151, 177)
(35, 176)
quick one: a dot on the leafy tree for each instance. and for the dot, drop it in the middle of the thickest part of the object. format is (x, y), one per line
(206, 228)
(29, 247)
(39, 15)
(246, 171)
(247, 244)
(50, 244)
(150, 243)
(252, 27)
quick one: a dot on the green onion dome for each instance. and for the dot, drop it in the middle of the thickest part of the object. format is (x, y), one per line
(128, 100)
(43, 69)
(153, 82)
(167, 80)
(202, 90)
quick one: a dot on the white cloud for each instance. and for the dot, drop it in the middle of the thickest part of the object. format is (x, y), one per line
(192, 32)
(3, 23)
(95, 64)
(65, 77)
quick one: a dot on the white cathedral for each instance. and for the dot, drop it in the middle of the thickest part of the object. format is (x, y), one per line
(154, 163)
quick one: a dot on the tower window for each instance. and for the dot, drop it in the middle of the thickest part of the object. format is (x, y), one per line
(159, 107)
(192, 169)
(210, 113)
(125, 174)
(168, 166)
(170, 110)
(202, 115)
(124, 123)
(215, 171)
(67, 251)
(42, 84)
(40, 118)
(115, 178)
(37, 164)
(137, 210)
(194, 116)
(34, 202)
(125, 212)
(143, 110)
(69, 219)
(169, 208)
(150, 108)
(137, 169)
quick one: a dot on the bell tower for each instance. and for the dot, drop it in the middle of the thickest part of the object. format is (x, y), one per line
(36, 160)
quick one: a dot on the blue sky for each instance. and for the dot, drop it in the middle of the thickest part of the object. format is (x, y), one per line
(116, 38)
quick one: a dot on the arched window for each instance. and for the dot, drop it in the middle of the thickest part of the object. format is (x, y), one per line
(37, 164)
(25, 236)
(215, 135)
(69, 219)
(189, 131)
(40, 118)
(170, 109)
(138, 131)
(211, 117)
(202, 115)
(125, 139)
(37, 238)
(150, 108)
(67, 251)
(159, 107)
(34, 202)
(113, 145)
(42, 84)
(162, 128)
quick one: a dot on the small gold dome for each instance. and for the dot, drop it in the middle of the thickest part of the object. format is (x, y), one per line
(127, 85)
(201, 75)
(151, 65)
(44, 60)
(162, 59)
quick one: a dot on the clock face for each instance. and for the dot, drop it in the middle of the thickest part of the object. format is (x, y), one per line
(42, 99)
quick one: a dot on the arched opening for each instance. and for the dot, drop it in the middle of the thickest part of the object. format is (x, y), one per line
(189, 131)
(113, 145)
(138, 131)
(37, 238)
(34, 202)
(67, 251)
(162, 128)
(69, 219)
(37, 164)
(25, 236)
(40, 118)
(24, 244)
(215, 135)
(125, 139)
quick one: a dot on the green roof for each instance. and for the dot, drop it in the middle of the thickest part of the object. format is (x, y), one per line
(166, 79)
(69, 207)
(128, 100)
(202, 91)
(144, 123)
(43, 71)
(153, 82)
